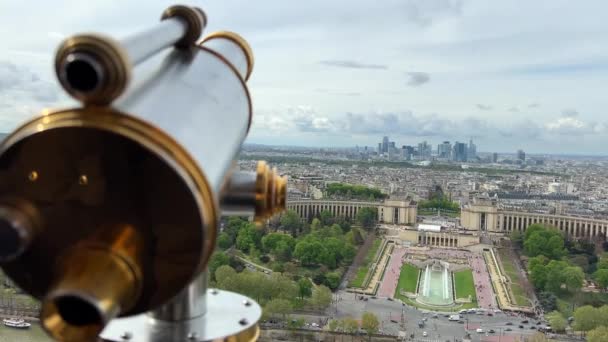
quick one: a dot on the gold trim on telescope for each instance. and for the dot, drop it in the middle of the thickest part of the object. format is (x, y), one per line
(115, 68)
(240, 41)
(195, 19)
(148, 136)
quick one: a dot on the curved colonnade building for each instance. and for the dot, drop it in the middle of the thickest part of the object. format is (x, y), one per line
(485, 215)
(480, 217)
(389, 211)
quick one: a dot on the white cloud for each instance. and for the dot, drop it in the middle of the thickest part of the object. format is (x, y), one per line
(470, 47)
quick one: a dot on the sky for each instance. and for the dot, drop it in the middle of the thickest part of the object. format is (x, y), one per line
(508, 74)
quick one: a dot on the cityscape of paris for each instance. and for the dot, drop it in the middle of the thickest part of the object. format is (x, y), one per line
(401, 170)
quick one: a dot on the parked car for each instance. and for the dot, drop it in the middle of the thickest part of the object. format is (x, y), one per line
(491, 331)
(509, 323)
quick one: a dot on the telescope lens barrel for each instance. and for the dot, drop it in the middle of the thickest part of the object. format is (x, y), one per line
(82, 72)
(18, 227)
(95, 282)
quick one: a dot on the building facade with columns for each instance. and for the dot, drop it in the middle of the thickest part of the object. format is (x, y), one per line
(486, 215)
(389, 211)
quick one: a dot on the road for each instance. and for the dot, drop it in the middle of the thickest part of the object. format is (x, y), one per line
(389, 314)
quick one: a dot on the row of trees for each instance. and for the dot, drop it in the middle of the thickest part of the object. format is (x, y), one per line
(548, 266)
(442, 202)
(592, 320)
(277, 293)
(369, 322)
(354, 191)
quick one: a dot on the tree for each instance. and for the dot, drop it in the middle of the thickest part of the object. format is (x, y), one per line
(601, 277)
(308, 252)
(517, 238)
(327, 218)
(217, 259)
(304, 288)
(332, 279)
(315, 225)
(573, 277)
(333, 324)
(366, 217)
(599, 334)
(603, 262)
(537, 337)
(548, 301)
(278, 306)
(291, 222)
(357, 238)
(369, 323)
(586, 318)
(321, 297)
(224, 273)
(224, 241)
(328, 258)
(350, 325)
(247, 237)
(557, 322)
(232, 227)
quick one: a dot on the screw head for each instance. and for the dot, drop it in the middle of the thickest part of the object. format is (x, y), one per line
(126, 335)
(83, 180)
(32, 176)
(214, 291)
(243, 321)
(247, 302)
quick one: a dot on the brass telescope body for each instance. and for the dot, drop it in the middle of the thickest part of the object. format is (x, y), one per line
(114, 206)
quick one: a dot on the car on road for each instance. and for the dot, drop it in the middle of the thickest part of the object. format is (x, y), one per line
(508, 329)
(394, 321)
(525, 321)
(480, 330)
(425, 334)
(461, 322)
(491, 331)
(521, 326)
(389, 298)
(509, 323)
(533, 327)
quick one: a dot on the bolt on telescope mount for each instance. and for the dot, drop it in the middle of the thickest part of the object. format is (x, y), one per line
(109, 212)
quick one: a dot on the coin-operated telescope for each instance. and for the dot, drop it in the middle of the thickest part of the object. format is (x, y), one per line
(109, 211)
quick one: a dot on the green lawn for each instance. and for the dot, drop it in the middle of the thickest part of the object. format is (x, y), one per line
(463, 282)
(364, 268)
(359, 277)
(408, 278)
(516, 281)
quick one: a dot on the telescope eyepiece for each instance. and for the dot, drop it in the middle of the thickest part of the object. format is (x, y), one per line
(18, 226)
(76, 310)
(82, 72)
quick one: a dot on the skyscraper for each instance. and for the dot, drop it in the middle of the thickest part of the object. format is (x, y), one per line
(385, 144)
(444, 150)
(459, 152)
(494, 157)
(472, 151)
(424, 150)
(521, 155)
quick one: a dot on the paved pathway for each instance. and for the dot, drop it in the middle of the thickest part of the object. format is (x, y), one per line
(483, 285)
(391, 276)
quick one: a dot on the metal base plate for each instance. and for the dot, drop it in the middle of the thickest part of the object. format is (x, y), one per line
(230, 316)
